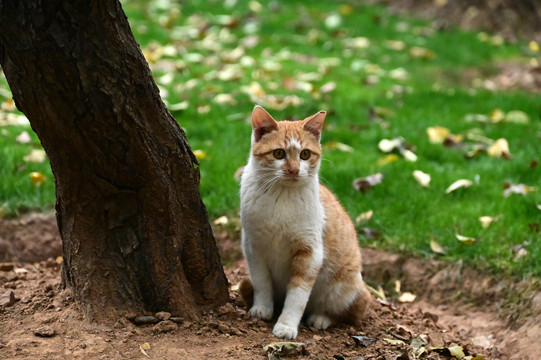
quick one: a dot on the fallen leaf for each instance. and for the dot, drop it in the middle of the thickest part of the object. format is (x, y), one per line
(436, 247)
(200, 154)
(143, 347)
(437, 134)
(225, 99)
(497, 115)
(36, 156)
(179, 106)
(397, 45)
(486, 221)
(517, 189)
(364, 217)
(399, 74)
(370, 233)
(466, 240)
(222, 220)
(23, 138)
(462, 183)
(333, 21)
(422, 178)
(407, 297)
(37, 178)
(281, 348)
(517, 117)
(363, 341)
(388, 145)
(338, 146)
(397, 286)
(8, 105)
(328, 87)
(521, 253)
(364, 184)
(409, 155)
(538, 206)
(456, 351)
(387, 159)
(500, 148)
(423, 53)
(394, 342)
(533, 46)
(379, 293)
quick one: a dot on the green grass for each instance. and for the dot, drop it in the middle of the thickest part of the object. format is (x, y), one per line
(192, 44)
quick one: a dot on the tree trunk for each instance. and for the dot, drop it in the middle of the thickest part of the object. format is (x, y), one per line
(135, 232)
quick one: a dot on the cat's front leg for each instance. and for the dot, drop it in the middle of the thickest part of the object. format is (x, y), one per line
(263, 305)
(305, 264)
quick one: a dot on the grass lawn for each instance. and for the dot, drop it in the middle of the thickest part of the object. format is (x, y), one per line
(379, 77)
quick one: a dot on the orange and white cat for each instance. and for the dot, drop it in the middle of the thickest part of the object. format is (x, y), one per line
(300, 244)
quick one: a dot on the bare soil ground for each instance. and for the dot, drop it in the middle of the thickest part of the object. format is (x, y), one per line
(455, 306)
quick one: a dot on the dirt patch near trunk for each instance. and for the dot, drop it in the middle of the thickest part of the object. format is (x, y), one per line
(454, 306)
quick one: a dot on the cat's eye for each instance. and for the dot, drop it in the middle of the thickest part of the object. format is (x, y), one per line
(279, 154)
(305, 154)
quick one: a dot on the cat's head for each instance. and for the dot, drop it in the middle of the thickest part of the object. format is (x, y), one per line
(288, 152)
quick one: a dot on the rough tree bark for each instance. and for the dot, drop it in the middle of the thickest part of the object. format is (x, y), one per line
(135, 232)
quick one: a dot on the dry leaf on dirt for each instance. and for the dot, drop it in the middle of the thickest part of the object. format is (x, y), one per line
(282, 348)
(407, 297)
(143, 347)
(466, 240)
(364, 184)
(394, 342)
(422, 178)
(462, 183)
(436, 247)
(363, 341)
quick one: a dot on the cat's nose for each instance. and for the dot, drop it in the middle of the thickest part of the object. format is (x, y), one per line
(293, 171)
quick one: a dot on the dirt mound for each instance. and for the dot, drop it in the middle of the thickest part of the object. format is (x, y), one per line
(455, 308)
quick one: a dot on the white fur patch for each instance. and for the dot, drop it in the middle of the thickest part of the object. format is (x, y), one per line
(294, 143)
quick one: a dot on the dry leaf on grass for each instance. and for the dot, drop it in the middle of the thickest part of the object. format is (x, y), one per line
(466, 240)
(23, 138)
(437, 134)
(366, 183)
(422, 178)
(517, 189)
(462, 183)
(37, 178)
(500, 148)
(436, 247)
(364, 217)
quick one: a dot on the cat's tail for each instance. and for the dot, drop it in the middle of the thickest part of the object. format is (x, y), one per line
(246, 290)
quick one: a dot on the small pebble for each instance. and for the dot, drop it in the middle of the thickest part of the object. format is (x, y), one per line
(45, 331)
(145, 319)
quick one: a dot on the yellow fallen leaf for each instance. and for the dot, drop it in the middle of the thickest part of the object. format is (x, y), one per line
(37, 178)
(534, 46)
(487, 220)
(409, 155)
(387, 159)
(338, 146)
(407, 297)
(143, 347)
(437, 134)
(200, 154)
(345, 9)
(8, 105)
(422, 178)
(364, 217)
(397, 286)
(222, 220)
(423, 53)
(36, 156)
(462, 183)
(497, 115)
(58, 260)
(394, 342)
(500, 148)
(456, 351)
(436, 247)
(465, 239)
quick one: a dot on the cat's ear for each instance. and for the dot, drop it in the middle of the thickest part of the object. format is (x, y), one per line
(262, 123)
(314, 124)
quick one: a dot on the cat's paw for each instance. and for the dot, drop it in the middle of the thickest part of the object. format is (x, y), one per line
(284, 331)
(319, 321)
(262, 312)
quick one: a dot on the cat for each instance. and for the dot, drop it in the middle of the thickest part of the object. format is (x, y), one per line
(299, 243)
